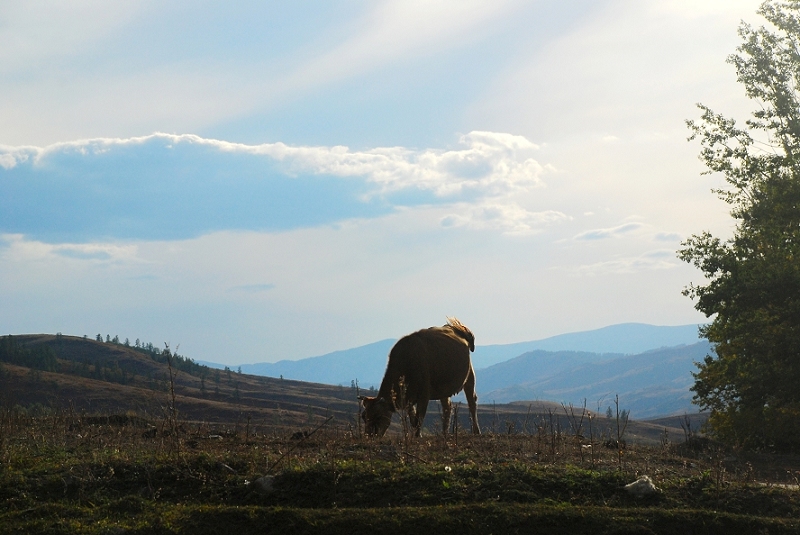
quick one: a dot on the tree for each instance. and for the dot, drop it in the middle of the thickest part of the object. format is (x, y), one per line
(751, 383)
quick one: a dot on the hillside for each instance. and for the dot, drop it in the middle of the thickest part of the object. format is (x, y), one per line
(650, 384)
(109, 378)
(87, 376)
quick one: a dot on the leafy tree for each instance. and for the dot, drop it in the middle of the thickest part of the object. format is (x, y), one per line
(753, 292)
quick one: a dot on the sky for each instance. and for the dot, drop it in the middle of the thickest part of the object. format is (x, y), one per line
(258, 181)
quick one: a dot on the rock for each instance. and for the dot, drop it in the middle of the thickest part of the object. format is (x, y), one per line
(264, 485)
(641, 487)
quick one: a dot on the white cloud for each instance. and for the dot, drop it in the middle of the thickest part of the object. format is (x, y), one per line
(7, 161)
(16, 248)
(490, 163)
(652, 260)
(667, 236)
(508, 218)
(606, 233)
(11, 156)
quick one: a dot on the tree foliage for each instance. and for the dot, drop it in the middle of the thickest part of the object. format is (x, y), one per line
(40, 358)
(752, 384)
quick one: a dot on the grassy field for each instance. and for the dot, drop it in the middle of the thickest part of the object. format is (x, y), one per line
(69, 473)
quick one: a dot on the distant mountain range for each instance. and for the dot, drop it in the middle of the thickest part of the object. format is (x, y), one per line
(648, 366)
(624, 338)
(365, 364)
(650, 384)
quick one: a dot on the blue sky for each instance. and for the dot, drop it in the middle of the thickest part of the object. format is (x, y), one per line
(260, 181)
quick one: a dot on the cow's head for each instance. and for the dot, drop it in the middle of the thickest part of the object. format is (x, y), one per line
(377, 415)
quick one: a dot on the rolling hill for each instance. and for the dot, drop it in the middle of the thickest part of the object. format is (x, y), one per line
(85, 375)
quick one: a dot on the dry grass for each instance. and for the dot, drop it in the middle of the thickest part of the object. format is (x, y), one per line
(76, 473)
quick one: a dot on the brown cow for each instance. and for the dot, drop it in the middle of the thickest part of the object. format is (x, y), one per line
(429, 364)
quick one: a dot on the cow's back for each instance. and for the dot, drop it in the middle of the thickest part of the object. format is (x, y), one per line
(435, 363)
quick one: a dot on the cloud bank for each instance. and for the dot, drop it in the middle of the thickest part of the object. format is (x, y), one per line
(166, 186)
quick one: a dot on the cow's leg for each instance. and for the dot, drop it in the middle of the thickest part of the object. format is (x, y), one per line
(411, 410)
(422, 408)
(447, 408)
(472, 401)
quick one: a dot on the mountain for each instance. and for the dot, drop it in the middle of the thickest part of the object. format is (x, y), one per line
(537, 364)
(626, 338)
(367, 363)
(649, 384)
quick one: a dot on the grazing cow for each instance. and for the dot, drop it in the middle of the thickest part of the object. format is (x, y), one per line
(429, 364)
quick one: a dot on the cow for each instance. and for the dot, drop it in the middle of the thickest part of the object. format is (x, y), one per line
(431, 363)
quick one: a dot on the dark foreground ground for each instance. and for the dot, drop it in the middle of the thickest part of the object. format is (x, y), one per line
(100, 475)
